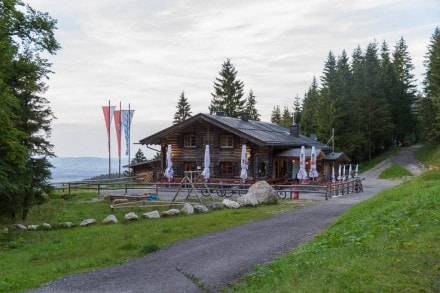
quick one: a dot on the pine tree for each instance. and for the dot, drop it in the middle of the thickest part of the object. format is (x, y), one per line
(275, 117)
(405, 95)
(138, 157)
(308, 119)
(376, 121)
(250, 107)
(24, 35)
(183, 109)
(228, 92)
(429, 106)
(286, 117)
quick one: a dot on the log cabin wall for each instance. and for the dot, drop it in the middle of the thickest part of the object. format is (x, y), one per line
(188, 150)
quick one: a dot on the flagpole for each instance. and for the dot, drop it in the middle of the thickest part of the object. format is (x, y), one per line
(119, 146)
(129, 133)
(108, 136)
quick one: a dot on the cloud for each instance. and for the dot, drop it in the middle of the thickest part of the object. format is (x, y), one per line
(147, 52)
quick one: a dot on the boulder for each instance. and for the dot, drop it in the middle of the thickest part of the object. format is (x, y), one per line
(230, 204)
(88, 222)
(5, 230)
(247, 200)
(131, 216)
(263, 192)
(187, 209)
(46, 226)
(214, 205)
(19, 227)
(110, 219)
(151, 215)
(170, 212)
(67, 225)
(33, 227)
(200, 208)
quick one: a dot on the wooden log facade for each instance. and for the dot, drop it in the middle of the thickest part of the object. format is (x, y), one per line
(225, 136)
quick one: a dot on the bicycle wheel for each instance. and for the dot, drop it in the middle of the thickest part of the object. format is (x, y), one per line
(221, 192)
(282, 194)
(205, 192)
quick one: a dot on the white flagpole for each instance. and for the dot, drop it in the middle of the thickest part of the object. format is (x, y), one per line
(109, 152)
(129, 131)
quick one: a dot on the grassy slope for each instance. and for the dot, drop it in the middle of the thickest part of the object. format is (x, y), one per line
(388, 243)
(29, 259)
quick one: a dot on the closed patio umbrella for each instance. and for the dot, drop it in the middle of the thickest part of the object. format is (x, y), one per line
(302, 173)
(313, 173)
(244, 164)
(206, 173)
(169, 170)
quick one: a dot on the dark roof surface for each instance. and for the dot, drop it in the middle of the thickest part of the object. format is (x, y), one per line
(296, 152)
(258, 132)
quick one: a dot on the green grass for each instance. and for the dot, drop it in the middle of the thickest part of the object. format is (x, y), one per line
(31, 258)
(429, 154)
(389, 243)
(394, 172)
(365, 166)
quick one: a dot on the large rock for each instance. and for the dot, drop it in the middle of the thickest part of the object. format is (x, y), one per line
(187, 209)
(46, 226)
(230, 204)
(200, 208)
(263, 192)
(87, 222)
(247, 200)
(131, 216)
(33, 227)
(19, 227)
(67, 225)
(151, 215)
(170, 212)
(214, 205)
(110, 219)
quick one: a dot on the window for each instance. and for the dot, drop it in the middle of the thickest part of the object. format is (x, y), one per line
(226, 141)
(226, 168)
(189, 141)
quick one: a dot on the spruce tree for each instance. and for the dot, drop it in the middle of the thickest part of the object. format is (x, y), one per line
(24, 34)
(228, 92)
(308, 121)
(286, 117)
(275, 116)
(138, 157)
(429, 106)
(405, 95)
(183, 109)
(250, 107)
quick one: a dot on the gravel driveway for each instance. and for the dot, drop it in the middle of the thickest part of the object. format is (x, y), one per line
(209, 262)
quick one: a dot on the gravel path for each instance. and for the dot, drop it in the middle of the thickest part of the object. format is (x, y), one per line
(209, 262)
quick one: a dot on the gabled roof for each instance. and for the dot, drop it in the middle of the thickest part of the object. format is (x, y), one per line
(258, 132)
(296, 152)
(337, 157)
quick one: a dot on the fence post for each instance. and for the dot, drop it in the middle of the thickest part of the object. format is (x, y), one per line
(69, 187)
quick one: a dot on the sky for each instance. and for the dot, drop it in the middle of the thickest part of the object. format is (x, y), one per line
(144, 53)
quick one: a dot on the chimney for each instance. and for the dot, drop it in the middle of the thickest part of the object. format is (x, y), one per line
(219, 113)
(245, 116)
(294, 130)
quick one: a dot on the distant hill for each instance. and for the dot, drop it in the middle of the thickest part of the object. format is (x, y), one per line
(78, 168)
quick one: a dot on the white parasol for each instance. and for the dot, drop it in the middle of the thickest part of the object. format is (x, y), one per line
(169, 170)
(244, 164)
(313, 173)
(302, 173)
(356, 171)
(339, 173)
(206, 173)
(333, 174)
(349, 172)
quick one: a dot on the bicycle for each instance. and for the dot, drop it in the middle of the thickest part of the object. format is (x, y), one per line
(358, 187)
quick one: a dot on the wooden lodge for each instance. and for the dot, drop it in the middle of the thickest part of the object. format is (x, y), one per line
(272, 150)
